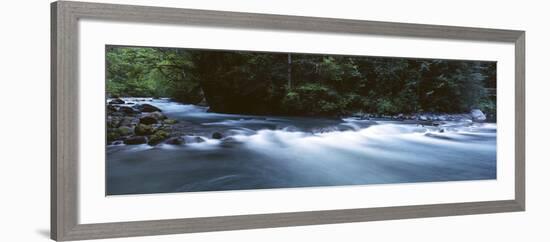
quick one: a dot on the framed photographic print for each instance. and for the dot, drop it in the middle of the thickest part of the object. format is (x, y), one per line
(169, 120)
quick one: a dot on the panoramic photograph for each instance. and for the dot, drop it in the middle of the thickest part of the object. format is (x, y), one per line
(195, 120)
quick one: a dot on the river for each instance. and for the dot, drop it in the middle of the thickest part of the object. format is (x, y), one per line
(260, 152)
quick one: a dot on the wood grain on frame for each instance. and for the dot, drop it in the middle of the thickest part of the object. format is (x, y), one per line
(64, 118)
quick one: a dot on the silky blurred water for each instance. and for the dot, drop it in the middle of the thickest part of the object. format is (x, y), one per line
(260, 152)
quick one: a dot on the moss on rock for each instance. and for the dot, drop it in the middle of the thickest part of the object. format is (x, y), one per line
(143, 129)
(125, 130)
(112, 135)
(158, 137)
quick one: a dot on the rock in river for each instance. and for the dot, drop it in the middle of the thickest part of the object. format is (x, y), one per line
(157, 115)
(477, 115)
(135, 140)
(127, 110)
(175, 141)
(111, 109)
(148, 120)
(112, 135)
(118, 142)
(147, 108)
(117, 101)
(125, 130)
(217, 135)
(128, 121)
(142, 129)
(158, 137)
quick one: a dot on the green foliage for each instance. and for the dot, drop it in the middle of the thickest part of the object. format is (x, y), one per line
(151, 72)
(307, 84)
(313, 99)
(291, 103)
(451, 86)
(488, 106)
(128, 71)
(386, 106)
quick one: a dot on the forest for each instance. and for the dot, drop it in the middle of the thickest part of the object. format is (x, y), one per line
(297, 84)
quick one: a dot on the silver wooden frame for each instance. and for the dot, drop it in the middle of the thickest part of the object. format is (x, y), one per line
(64, 123)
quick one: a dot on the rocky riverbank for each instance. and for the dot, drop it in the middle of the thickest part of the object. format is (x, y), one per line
(475, 115)
(132, 124)
(134, 121)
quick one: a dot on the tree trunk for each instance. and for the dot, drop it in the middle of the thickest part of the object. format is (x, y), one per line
(289, 71)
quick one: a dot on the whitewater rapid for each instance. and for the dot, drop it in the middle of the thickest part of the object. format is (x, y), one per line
(280, 152)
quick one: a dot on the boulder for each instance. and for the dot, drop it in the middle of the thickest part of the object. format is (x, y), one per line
(175, 141)
(142, 129)
(158, 137)
(111, 108)
(128, 121)
(125, 130)
(157, 115)
(148, 120)
(118, 142)
(147, 108)
(128, 110)
(477, 115)
(113, 121)
(117, 101)
(112, 135)
(117, 114)
(135, 140)
(157, 126)
(217, 135)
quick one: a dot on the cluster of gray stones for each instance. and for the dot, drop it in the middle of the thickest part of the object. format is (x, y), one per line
(475, 115)
(132, 124)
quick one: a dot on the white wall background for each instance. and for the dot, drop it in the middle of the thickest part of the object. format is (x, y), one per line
(24, 120)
